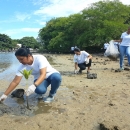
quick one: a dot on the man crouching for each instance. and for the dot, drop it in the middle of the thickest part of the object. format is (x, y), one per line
(82, 60)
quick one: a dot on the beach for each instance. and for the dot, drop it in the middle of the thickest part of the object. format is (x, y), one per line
(81, 103)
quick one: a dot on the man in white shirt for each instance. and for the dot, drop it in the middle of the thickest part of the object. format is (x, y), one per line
(82, 59)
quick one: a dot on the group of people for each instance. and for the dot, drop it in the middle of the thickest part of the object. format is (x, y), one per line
(45, 75)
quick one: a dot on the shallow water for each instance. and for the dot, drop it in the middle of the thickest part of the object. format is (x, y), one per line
(10, 59)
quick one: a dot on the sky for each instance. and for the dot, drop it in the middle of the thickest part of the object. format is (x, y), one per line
(24, 18)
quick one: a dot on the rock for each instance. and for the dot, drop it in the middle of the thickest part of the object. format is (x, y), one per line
(92, 76)
(18, 93)
(108, 126)
(127, 69)
(102, 127)
(118, 70)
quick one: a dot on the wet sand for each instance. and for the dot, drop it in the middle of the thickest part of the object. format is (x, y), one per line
(80, 104)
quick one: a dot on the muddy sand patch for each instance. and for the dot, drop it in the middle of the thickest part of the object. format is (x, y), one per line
(18, 106)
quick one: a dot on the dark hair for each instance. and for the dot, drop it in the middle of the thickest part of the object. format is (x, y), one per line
(23, 51)
(77, 49)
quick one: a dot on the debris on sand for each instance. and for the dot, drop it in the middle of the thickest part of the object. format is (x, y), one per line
(92, 76)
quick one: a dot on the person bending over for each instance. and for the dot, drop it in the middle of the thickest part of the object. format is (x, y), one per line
(44, 75)
(82, 59)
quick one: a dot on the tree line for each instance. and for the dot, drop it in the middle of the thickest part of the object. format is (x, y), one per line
(8, 44)
(89, 29)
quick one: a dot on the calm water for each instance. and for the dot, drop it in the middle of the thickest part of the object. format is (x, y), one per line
(8, 58)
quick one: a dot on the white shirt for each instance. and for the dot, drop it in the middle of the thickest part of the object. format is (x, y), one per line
(81, 58)
(39, 62)
(125, 39)
(106, 45)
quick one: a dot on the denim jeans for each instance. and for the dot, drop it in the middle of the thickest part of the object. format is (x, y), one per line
(54, 80)
(124, 50)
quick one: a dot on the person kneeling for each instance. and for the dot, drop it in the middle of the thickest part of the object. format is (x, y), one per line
(82, 59)
(44, 75)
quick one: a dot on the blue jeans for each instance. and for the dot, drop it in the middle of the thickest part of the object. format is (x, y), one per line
(55, 81)
(124, 50)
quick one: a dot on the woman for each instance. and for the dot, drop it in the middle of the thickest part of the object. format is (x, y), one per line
(44, 75)
(82, 59)
(124, 47)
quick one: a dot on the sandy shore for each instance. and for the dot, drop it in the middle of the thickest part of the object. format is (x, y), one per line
(81, 103)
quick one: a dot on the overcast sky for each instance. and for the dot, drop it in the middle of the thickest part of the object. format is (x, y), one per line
(20, 18)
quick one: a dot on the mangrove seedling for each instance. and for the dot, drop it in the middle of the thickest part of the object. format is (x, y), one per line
(26, 74)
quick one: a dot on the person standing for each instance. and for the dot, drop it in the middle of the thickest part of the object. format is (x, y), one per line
(124, 47)
(44, 75)
(82, 59)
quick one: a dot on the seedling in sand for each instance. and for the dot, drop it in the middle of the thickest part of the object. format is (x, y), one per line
(26, 74)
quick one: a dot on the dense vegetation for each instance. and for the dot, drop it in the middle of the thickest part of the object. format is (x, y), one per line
(7, 44)
(88, 29)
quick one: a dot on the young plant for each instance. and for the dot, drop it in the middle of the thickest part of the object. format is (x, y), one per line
(26, 74)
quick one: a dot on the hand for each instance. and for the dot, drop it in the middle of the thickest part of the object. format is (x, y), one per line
(3, 97)
(76, 71)
(30, 90)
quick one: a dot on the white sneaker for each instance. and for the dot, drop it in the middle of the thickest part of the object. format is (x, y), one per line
(48, 99)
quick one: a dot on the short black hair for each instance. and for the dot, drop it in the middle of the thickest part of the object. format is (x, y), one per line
(77, 49)
(23, 51)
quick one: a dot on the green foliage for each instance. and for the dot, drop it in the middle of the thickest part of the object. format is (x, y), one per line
(100, 22)
(5, 42)
(29, 42)
(26, 73)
